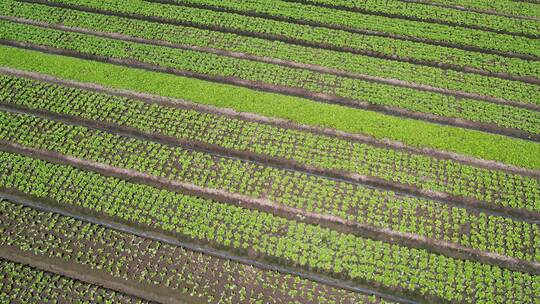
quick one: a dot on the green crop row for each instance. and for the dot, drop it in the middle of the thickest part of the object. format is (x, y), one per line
(23, 284)
(436, 13)
(305, 148)
(318, 36)
(193, 275)
(342, 61)
(412, 271)
(415, 133)
(430, 32)
(516, 8)
(372, 207)
(276, 75)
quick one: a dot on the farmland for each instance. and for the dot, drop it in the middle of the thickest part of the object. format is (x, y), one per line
(279, 151)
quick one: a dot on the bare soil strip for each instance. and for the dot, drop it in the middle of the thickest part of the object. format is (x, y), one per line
(291, 41)
(89, 275)
(476, 206)
(156, 235)
(411, 18)
(277, 122)
(320, 97)
(349, 29)
(328, 221)
(280, 62)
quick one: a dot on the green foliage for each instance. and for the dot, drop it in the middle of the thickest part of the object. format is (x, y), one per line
(416, 133)
(342, 61)
(360, 259)
(306, 148)
(358, 203)
(423, 12)
(211, 65)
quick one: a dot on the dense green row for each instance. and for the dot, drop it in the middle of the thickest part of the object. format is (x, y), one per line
(187, 274)
(436, 14)
(435, 77)
(372, 207)
(325, 152)
(412, 271)
(316, 35)
(415, 133)
(23, 284)
(516, 8)
(414, 29)
(275, 75)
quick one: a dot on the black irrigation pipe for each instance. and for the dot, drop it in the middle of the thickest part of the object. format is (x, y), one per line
(205, 249)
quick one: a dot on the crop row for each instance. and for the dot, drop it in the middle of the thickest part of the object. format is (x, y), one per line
(395, 267)
(430, 32)
(23, 284)
(516, 8)
(354, 202)
(128, 257)
(317, 36)
(442, 140)
(211, 65)
(492, 186)
(436, 14)
(342, 61)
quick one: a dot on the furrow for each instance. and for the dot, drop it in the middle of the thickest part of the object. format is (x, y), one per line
(47, 283)
(271, 202)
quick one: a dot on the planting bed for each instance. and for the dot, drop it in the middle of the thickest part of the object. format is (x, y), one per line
(282, 151)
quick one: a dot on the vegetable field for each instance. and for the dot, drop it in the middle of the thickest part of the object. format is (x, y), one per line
(277, 151)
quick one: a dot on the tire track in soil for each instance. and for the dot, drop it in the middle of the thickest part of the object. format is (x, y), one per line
(82, 273)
